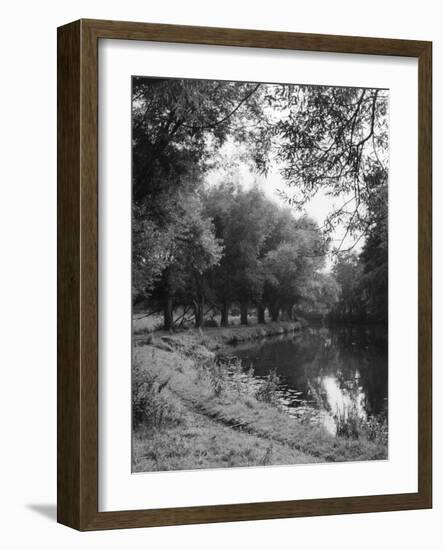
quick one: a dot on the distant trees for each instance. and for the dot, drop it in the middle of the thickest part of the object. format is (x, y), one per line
(243, 221)
(348, 272)
(363, 278)
(292, 265)
(269, 257)
(363, 285)
(374, 255)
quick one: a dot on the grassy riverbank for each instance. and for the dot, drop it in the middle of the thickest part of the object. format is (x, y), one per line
(191, 411)
(215, 338)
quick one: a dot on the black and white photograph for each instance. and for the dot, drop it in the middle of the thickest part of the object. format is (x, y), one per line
(259, 274)
(218, 223)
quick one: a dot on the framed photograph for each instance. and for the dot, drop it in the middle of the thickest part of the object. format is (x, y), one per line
(244, 275)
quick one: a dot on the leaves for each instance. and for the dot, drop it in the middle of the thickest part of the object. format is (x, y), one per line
(229, 244)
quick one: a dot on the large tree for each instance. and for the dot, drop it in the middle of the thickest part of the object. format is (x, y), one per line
(292, 265)
(244, 221)
(192, 250)
(178, 125)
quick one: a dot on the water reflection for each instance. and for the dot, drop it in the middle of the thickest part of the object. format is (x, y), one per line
(333, 376)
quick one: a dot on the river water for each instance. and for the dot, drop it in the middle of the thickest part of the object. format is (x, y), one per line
(325, 374)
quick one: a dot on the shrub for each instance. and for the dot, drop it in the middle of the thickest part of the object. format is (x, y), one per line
(376, 429)
(151, 407)
(216, 370)
(353, 426)
(226, 376)
(268, 390)
(267, 458)
(348, 423)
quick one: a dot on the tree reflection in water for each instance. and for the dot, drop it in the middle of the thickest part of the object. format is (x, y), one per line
(335, 376)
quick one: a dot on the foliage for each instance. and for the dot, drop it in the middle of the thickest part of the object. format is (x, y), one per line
(243, 221)
(331, 139)
(178, 125)
(352, 425)
(150, 407)
(374, 257)
(198, 247)
(233, 428)
(363, 278)
(268, 389)
(348, 272)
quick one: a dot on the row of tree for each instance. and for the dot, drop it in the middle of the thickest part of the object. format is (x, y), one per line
(233, 247)
(196, 247)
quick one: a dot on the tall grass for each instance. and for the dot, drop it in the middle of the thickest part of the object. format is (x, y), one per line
(352, 425)
(268, 390)
(151, 407)
(192, 410)
(227, 377)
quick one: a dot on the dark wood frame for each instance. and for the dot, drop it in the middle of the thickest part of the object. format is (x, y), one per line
(77, 455)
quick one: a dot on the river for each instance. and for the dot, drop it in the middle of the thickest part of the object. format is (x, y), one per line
(327, 375)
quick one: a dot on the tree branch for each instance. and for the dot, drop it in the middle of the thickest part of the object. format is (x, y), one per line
(225, 118)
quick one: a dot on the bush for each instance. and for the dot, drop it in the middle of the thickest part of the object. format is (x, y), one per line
(269, 389)
(376, 429)
(353, 426)
(349, 424)
(226, 377)
(151, 407)
(217, 378)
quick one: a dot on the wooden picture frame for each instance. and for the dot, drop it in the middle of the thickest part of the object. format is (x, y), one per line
(77, 455)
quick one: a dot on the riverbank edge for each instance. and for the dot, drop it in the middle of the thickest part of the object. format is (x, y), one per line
(180, 359)
(216, 338)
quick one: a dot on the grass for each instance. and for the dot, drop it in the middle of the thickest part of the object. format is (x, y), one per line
(193, 411)
(143, 323)
(199, 442)
(211, 338)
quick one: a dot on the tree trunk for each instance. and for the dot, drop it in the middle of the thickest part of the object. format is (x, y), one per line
(244, 313)
(290, 313)
(225, 315)
(167, 313)
(261, 314)
(199, 307)
(274, 310)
